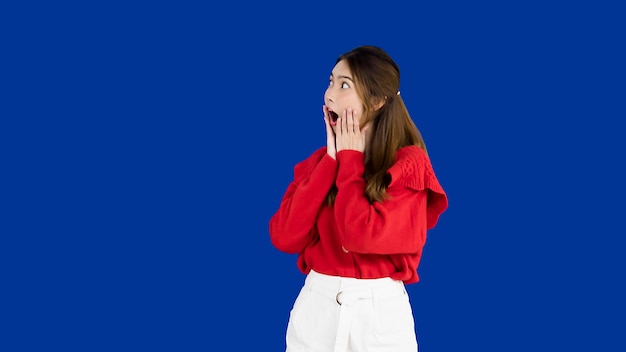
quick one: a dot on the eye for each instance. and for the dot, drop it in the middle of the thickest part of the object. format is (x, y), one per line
(345, 85)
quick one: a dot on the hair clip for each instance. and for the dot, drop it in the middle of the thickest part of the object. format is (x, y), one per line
(398, 93)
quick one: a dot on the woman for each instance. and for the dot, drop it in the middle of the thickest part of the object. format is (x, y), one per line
(357, 212)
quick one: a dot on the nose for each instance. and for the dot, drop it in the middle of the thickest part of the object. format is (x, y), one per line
(329, 95)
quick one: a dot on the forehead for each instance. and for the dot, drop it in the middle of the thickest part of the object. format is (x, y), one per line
(342, 69)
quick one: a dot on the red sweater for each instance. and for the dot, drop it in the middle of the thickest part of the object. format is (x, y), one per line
(382, 239)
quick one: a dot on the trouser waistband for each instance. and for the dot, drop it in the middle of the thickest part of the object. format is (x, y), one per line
(343, 289)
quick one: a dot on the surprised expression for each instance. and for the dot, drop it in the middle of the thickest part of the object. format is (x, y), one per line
(341, 94)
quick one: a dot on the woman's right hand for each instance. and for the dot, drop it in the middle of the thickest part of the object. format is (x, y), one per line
(331, 147)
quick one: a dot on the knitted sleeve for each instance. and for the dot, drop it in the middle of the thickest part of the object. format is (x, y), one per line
(291, 227)
(398, 224)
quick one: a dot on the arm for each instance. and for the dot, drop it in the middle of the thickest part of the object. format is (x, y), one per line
(291, 226)
(396, 225)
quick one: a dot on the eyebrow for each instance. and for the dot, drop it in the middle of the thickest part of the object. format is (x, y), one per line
(346, 77)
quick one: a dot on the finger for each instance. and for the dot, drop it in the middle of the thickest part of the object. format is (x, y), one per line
(327, 124)
(357, 123)
(326, 117)
(344, 121)
(329, 129)
(349, 121)
(351, 125)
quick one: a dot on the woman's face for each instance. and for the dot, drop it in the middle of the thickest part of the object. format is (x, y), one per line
(341, 94)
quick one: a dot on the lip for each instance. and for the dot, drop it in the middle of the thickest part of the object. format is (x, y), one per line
(333, 117)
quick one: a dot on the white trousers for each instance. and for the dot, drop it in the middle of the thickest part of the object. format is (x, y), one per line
(340, 314)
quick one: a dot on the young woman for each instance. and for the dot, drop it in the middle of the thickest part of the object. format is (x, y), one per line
(356, 214)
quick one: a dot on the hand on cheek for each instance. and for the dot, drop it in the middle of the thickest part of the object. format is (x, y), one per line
(330, 135)
(349, 135)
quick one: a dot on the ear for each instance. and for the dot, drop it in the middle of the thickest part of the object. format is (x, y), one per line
(378, 103)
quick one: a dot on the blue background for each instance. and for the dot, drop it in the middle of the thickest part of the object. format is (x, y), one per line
(145, 145)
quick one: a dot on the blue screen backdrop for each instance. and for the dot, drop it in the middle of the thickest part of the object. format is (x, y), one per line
(145, 145)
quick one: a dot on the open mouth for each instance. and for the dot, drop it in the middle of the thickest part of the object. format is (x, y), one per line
(333, 116)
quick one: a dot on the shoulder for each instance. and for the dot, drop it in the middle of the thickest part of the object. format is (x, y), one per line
(413, 169)
(307, 165)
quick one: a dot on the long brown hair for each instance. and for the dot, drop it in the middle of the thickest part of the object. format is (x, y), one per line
(377, 81)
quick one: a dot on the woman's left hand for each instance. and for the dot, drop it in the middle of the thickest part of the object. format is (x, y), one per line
(349, 135)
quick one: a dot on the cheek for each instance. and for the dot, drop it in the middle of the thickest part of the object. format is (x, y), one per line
(357, 105)
(359, 113)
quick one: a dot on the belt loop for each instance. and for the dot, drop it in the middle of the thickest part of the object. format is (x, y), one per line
(374, 298)
(310, 279)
